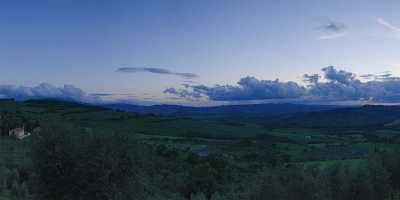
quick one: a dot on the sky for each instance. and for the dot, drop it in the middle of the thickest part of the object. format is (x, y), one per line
(200, 52)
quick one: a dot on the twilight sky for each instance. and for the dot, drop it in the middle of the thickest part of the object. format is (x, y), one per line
(200, 52)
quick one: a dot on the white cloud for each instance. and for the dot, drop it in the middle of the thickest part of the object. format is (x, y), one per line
(388, 25)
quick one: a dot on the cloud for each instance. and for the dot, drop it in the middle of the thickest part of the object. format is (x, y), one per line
(332, 30)
(339, 76)
(367, 76)
(382, 76)
(45, 91)
(66, 92)
(336, 85)
(343, 85)
(101, 94)
(183, 93)
(376, 90)
(248, 88)
(155, 71)
(311, 79)
(334, 27)
(388, 25)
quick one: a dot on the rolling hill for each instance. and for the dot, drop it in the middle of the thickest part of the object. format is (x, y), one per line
(245, 112)
(368, 118)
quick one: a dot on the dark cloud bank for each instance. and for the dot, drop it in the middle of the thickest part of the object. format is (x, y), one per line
(336, 85)
(155, 71)
(46, 91)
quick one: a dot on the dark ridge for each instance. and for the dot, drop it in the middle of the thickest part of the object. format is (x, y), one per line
(367, 117)
(59, 104)
(243, 112)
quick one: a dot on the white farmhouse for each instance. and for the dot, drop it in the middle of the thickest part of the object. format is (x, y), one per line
(19, 133)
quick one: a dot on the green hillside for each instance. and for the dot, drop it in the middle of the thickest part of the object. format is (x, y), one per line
(88, 152)
(101, 120)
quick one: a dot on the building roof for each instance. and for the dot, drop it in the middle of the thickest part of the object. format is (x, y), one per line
(19, 130)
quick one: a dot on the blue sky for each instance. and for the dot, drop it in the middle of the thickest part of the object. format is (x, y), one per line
(86, 43)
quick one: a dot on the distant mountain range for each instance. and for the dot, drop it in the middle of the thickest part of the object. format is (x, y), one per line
(243, 112)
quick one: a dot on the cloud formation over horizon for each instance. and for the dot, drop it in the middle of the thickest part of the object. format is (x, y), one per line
(67, 93)
(46, 91)
(155, 70)
(332, 85)
(337, 85)
(249, 88)
(332, 30)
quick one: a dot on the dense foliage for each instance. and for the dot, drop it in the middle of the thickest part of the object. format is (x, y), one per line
(76, 166)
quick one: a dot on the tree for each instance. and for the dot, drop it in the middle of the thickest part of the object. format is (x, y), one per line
(72, 165)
